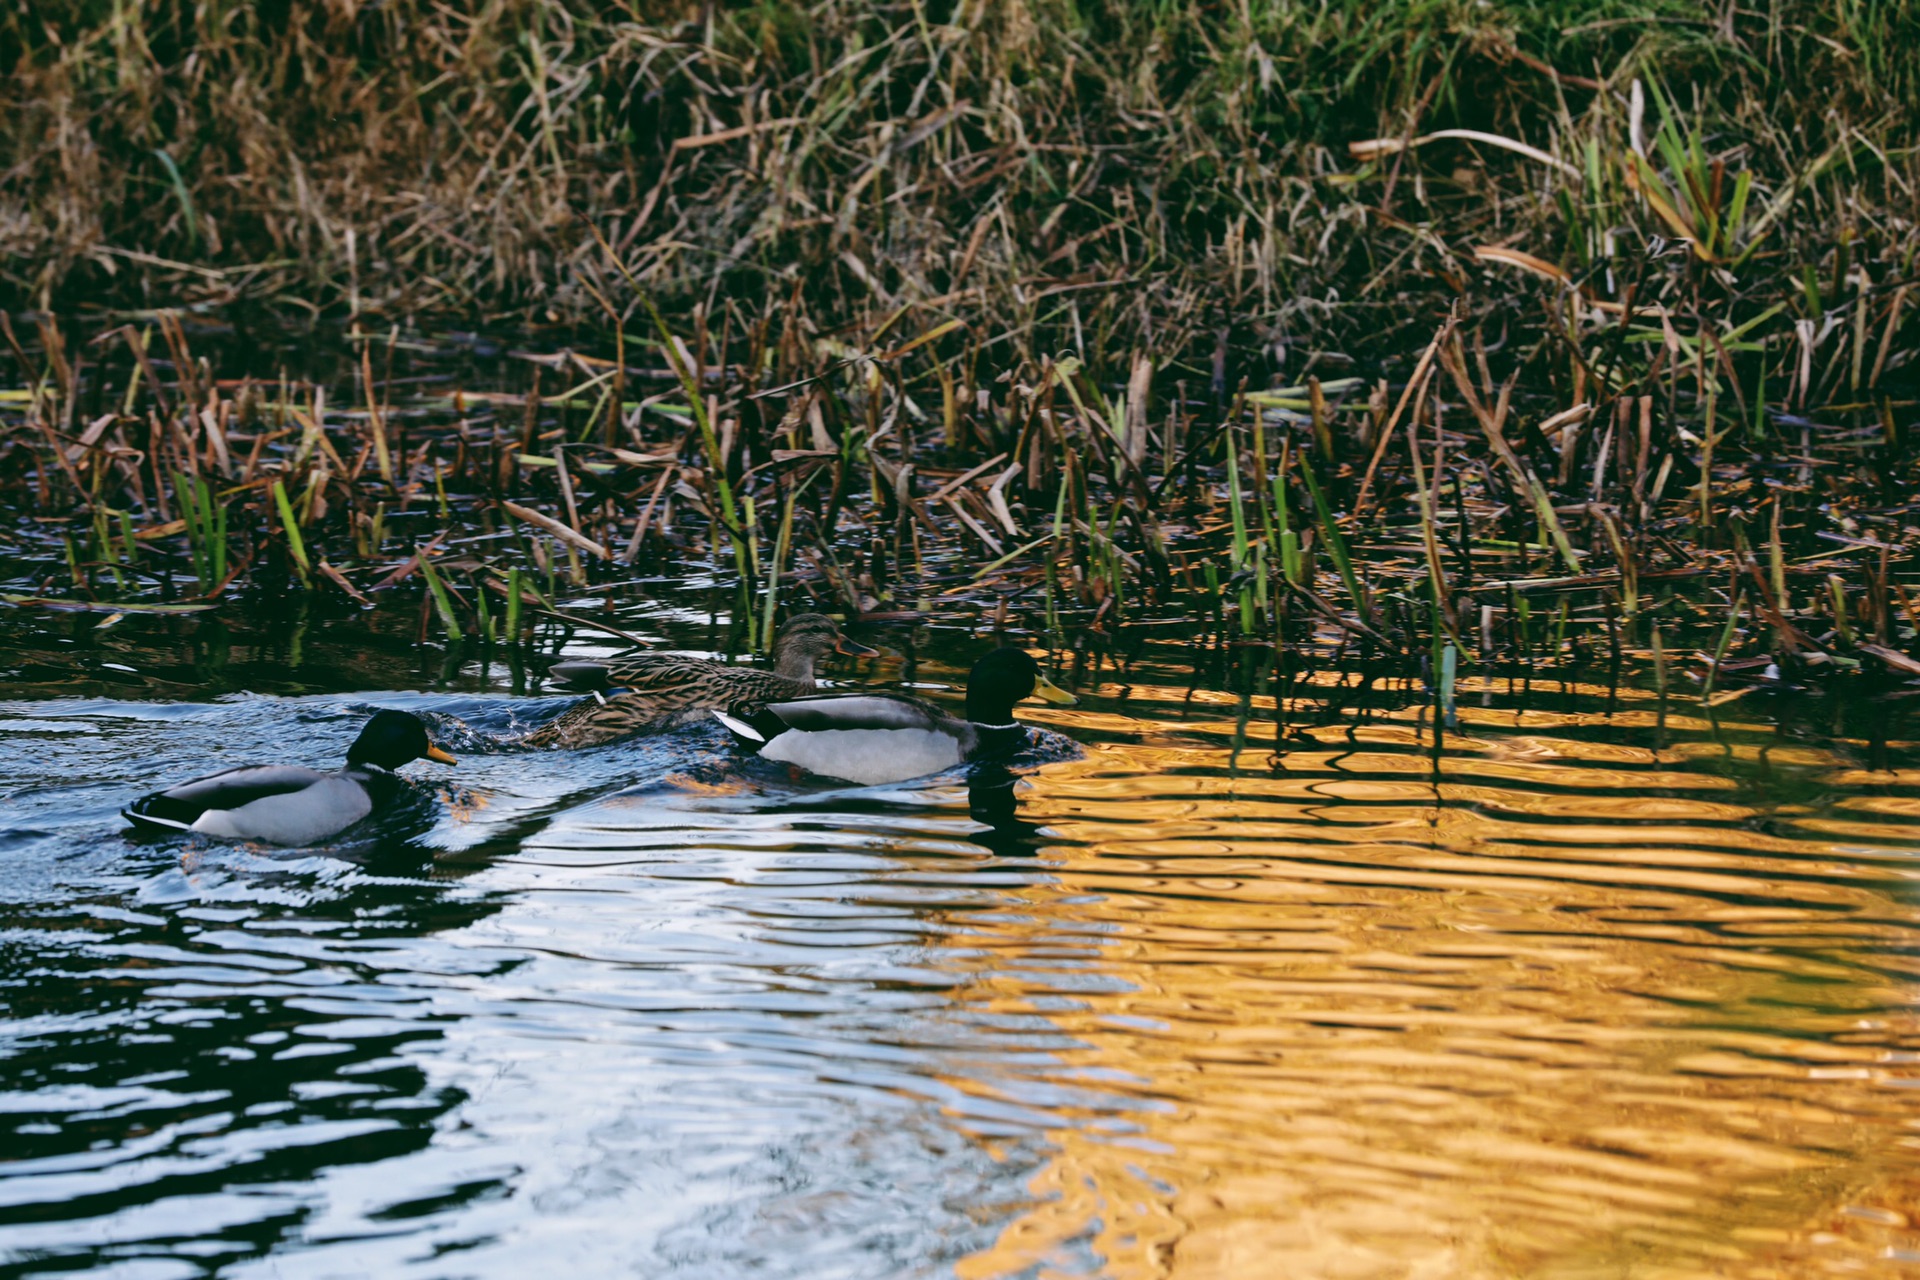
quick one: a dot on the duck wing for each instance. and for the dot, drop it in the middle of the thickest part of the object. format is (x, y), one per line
(655, 690)
(635, 670)
(180, 806)
(681, 682)
(861, 711)
(688, 683)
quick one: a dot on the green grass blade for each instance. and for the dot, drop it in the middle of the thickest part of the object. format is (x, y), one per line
(180, 194)
(442, 602)
(296, 546)
(1336, 543)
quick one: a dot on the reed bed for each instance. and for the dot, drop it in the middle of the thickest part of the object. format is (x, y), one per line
(1438, 335)
(1436, 523)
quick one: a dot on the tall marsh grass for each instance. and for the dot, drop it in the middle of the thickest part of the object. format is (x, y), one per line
(1450, 331)
(1276, 179)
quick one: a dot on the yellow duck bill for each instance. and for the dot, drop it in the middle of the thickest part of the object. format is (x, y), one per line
(1047, 689)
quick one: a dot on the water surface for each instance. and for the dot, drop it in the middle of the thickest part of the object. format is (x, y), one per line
(1595, 986)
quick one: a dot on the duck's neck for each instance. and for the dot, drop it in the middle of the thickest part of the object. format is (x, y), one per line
(794, 664)
(997, 712)
(1000, 739)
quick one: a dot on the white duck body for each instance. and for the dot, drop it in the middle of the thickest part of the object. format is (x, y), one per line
(878, 738)
(869, 740)
(277, 804)
(288, 804)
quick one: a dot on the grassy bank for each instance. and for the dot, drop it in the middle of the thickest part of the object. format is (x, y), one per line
(1414, 330)
(1183, 168)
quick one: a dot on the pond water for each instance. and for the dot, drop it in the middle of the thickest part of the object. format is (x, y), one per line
(1598, 985)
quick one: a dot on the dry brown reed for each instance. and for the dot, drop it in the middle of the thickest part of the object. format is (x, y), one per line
(1431, 331)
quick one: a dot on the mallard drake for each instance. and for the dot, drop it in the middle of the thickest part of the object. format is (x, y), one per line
(878, 738)
(645, 689)
(288, 804)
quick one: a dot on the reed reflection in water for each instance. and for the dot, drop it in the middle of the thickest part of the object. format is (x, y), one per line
(1549, 1005)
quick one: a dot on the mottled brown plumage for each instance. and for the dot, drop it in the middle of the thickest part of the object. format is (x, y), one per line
(658, 690)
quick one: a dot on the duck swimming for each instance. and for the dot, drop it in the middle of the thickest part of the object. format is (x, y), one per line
(290, 805)
(661, 689)
(879, 738)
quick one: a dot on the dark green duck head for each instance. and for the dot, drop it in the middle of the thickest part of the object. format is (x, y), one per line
(1003, 678)
(394, 738)
(805, 638)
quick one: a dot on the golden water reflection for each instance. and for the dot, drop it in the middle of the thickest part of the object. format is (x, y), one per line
(1546, 1006)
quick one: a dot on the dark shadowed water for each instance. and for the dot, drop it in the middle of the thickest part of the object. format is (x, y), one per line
(1598, 988)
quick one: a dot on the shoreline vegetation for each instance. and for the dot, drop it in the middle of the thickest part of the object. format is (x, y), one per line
(1461, 337)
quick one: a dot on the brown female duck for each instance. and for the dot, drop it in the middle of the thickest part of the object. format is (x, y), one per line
(656, 690)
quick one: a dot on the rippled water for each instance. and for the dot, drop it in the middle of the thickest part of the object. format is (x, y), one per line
(1598, 987)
